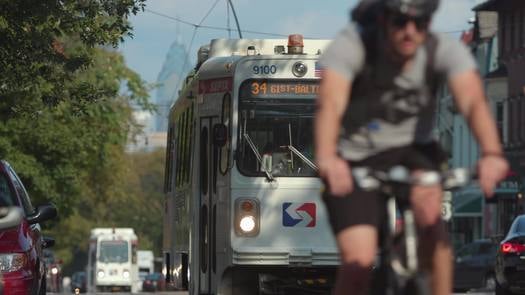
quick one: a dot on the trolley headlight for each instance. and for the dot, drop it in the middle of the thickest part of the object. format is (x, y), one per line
(247, 217)
(299, 69)
(125, 274)
(54, 270)
(247, 224)
(100, 274)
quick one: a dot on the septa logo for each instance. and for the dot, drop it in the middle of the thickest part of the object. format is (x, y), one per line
(299, 214)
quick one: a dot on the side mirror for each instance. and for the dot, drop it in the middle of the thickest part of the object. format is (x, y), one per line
(220, 134)
(43, 213)
(10, 217)
(48, 242)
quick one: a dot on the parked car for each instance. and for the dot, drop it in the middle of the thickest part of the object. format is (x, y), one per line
(510, 260)
(79, 281)
(474, 265)
(53, 272)
(21, 248)
(154, 282)
(9, 217)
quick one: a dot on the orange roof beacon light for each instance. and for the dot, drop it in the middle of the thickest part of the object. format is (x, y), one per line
(295, 44)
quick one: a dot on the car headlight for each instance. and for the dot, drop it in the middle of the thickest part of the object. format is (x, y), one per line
(54, 270)
(125, 274)
(100, 274)
(12, 262)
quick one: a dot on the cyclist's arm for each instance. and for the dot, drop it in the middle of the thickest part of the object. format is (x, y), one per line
(470, 99)
(332, 101)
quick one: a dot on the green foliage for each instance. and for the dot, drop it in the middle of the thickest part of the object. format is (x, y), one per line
(65, 121)
(37, 57)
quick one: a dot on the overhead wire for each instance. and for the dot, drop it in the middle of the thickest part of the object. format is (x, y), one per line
(227, 29)
(196, 27)
(228, 19)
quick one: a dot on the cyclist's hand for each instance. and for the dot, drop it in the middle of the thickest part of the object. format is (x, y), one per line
(337, 176)
(491, 170)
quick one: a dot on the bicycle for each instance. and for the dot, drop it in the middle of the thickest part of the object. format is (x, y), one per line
(396, 270)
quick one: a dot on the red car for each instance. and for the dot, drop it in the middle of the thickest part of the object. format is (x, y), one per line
(22, 265)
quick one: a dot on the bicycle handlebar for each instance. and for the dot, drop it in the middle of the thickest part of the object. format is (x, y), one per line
(369, 179)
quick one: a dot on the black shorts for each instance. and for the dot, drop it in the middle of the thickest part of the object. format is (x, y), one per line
(367, 207)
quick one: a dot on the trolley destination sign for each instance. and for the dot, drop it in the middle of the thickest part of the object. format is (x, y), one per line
(273, 88)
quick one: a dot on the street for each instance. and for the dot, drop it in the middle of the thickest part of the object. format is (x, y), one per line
(473, 292)
(140, 293)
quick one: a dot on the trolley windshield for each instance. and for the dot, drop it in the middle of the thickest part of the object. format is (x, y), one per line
(113, 251)
(276, 128)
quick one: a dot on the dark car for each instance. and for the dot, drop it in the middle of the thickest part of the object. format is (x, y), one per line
(22, 265)
(154, 282)
(474, 265)
(79, 281)
(510, 260)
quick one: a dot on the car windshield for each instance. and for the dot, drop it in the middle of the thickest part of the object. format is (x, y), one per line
(114, 251)
(79, 277)
(153, 276)
(276, 137)
(49, 257)
(520, 225)
(6, 195)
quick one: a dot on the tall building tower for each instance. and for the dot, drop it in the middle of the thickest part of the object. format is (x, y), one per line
(174, 69)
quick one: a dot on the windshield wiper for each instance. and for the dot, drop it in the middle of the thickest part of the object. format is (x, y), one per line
(256, 152)
(302, 157)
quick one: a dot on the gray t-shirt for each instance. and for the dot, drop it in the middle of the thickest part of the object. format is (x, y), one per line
(388, 107)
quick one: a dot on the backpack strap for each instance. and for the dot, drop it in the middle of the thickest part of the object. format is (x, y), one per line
(433, 77)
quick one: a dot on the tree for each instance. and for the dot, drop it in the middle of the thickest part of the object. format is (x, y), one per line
(36, 60)
(64, 119)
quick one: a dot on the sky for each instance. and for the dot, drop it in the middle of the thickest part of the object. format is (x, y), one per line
(156, 28)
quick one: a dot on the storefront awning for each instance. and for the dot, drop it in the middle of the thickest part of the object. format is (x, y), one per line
(468, 202)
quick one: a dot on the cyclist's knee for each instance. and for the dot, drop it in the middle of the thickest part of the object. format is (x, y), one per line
(353, 276)
(365, 257)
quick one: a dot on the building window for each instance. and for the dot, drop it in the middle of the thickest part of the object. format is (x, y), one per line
(169, 161)
(513, 29)
(516, 25)
(521, 27)
(507, 28)
(499, 119)
(502, 33)
(522, 118)
(513, 121)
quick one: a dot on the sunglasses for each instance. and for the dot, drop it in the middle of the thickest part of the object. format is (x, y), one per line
(401, 20)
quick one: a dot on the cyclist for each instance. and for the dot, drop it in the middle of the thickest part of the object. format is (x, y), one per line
(376, 108)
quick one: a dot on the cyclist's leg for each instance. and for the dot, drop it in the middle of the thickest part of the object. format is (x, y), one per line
(358, 247)
(435, 251)
(354, 219)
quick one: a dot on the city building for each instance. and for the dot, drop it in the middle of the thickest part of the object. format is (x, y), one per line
(510, 106)
(497, 41)
(175, 67)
